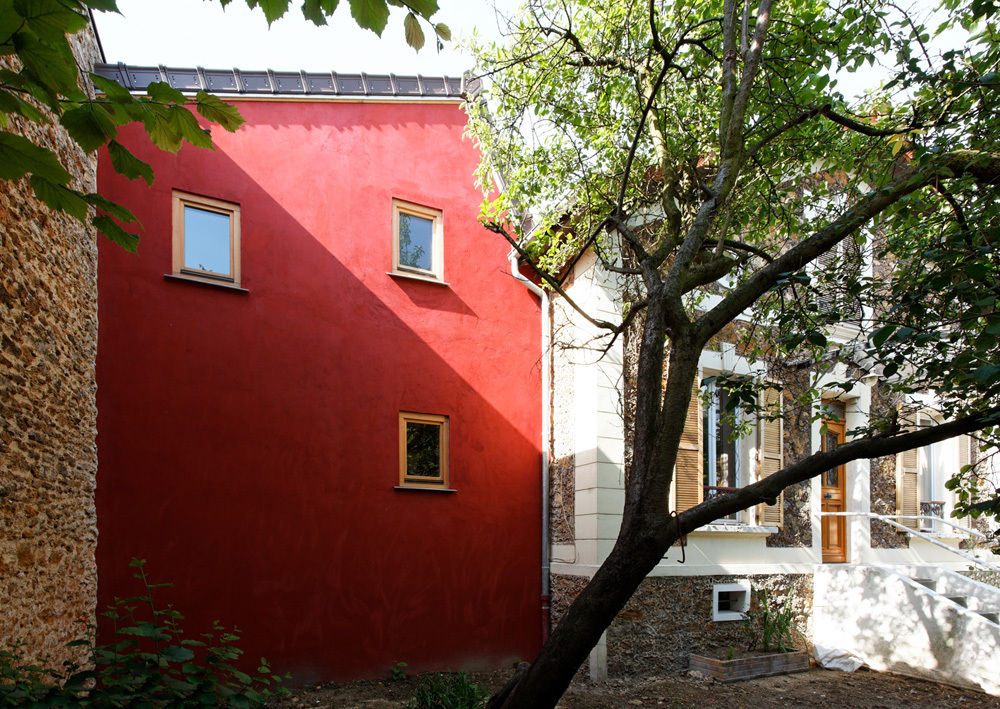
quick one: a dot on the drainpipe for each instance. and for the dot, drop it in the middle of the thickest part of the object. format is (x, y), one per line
(546, 394)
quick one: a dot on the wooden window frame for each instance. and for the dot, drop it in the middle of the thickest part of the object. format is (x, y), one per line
(405, 480)
(207, 204)
(436, 273)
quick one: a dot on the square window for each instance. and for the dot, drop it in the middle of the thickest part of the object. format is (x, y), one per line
(417, 247)
(206, 238)
(423, 450)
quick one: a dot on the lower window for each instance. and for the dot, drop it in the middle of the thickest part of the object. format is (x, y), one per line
(423, 450)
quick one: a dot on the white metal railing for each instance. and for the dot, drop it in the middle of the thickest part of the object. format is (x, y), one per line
(890, 520)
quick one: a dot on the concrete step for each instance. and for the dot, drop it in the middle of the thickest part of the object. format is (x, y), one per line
(960, 600)
(929, 583)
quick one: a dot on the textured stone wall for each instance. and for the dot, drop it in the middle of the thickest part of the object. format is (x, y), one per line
(882, 482)
(670, 617)
(797, 445)
(48, 414)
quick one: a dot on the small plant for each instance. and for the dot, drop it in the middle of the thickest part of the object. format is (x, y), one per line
(148, 664)
(398, 671)
(769, 626)
(730, 653)
(452, 691)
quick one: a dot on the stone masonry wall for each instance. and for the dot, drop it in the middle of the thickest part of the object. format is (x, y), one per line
(670, 617)
(48, 413)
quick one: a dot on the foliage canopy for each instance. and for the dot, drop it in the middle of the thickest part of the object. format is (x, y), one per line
(704, 151)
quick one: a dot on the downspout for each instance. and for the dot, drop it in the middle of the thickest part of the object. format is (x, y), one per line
(546, 394)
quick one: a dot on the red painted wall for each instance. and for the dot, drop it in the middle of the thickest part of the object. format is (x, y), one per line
(248, 444)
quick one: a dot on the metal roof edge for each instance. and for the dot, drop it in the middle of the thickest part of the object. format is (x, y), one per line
(291, 83)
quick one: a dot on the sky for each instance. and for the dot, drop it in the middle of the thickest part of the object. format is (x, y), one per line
(187, 33)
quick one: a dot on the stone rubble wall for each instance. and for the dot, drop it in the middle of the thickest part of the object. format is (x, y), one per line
(670, 617)
(48, 412)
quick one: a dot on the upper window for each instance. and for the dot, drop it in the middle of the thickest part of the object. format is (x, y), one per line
(423, 450)
(417, 247)
(206, 238)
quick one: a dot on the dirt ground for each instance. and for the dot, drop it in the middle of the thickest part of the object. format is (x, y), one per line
(816, 688)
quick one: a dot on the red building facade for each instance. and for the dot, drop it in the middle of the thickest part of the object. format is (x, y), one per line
(255, 424)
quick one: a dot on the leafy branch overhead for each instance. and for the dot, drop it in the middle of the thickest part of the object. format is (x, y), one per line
(41, 84)
(369, 14)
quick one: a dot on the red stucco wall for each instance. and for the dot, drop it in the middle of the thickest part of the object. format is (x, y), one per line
(248, 443)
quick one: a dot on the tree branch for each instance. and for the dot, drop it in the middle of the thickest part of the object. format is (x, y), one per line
(768, 489)
(985, 167)
(549, 280)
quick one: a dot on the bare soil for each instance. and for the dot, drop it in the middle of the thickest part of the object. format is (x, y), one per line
(819, 689)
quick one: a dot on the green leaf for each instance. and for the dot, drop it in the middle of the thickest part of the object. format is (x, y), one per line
(176, 653)
(273, 9)
(442, 31)
(987, 374)
(882, 334)
(424, 8)
(317, 11)
(816, 338)
(112, 89)
(186, 125)
(162, 92)
(370, 14)
(103, 5)
(113, 208)
(89, 125)
(19, 156)
(108, 227)
(161, 132)
(411, 29)
(11, 103)
(50, 64)
(50, 20)
(59, 198)
(127, 164)
(215, 109)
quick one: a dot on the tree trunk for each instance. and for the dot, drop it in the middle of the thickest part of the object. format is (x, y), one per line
(635, 554)
(645, 534)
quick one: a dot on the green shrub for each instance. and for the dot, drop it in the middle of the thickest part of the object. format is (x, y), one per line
(148, 664)
(454, 691)
(769, 626)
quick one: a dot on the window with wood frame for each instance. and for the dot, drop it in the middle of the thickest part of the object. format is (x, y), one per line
(423, 450)
(206, 238)
(706, 447)
(417, 241)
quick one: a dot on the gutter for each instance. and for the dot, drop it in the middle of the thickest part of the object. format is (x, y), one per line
(546, 376)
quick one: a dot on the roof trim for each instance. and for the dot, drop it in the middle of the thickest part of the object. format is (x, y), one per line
(290, 83)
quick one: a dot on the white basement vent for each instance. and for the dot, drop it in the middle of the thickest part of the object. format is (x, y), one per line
(730, 600)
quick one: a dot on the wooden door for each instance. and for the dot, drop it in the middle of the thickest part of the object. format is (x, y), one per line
(834, 494)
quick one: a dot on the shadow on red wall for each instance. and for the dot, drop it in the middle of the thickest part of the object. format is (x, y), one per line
(248, 443)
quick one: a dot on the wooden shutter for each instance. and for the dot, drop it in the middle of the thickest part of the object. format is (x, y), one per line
(688, 472)
(769, 436)
(908, 476)
(964, 452)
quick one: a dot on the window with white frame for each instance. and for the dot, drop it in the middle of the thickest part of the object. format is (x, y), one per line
(723, 466)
